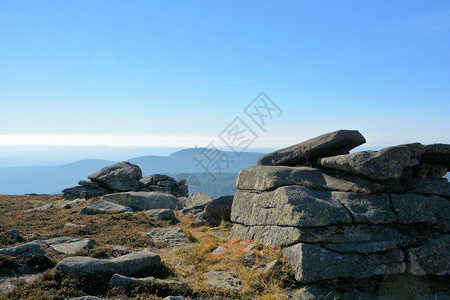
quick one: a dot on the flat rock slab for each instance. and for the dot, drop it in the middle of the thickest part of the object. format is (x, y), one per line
(103, 207)
(265, 178)
(431, 258)
(312, 263)
(161, 214)
(120, 280)
(123, 176)
(343, 234)
(329, 144)
(143, 200)
(387, 163)
(295, 206)
(70, 245)
(223, 280)
(128, 265)
(172, 236)
(41, 208)
(32, 249)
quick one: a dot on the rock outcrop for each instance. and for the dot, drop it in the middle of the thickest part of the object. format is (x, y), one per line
(124, 177)
(353, 215)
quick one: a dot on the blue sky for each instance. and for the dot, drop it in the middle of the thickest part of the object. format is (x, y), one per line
(176, 73)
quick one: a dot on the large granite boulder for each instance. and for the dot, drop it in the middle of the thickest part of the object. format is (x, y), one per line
(132, 264)
(123, 176)
(329, 144)
(387, 163)
(143, 200)
(217, 210)
(195, 203)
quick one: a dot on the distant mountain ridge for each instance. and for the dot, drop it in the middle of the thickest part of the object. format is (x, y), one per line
(53, 179)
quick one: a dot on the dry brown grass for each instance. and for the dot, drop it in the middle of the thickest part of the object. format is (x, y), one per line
(186, 264)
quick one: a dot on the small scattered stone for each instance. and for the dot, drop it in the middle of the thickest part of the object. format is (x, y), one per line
(219, 250)
(249, 259)
(172, 236)
(250, 247)
(161, 214)
(13, 233)
(41, 208)
(273, 266)
(223, 280)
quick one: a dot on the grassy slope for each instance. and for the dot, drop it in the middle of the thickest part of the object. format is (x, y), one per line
(186, 264)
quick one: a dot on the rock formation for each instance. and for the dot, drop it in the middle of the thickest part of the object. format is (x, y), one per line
(352, 215)
(124, 177)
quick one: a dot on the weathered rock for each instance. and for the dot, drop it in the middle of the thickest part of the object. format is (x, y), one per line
(329, 144)
(431, 258)
(197, 200)
(143, 200)
(172, 236)
(13, 233)
(180, 191)
(223, 280)
(128, 265)
(437, 154)
(367, 209)
(122, 176)
(83, 191)
(363, 247)
(154, 179)
(413, 208)
(120, 280)
(103, 206)
(167, 183)
(31, 249)
(88, 183)
(67, 245)
(161, 214)
(295, 206)
(265, 178)
(387, 163)
(313, 263)
(87, 298)
(431, 171)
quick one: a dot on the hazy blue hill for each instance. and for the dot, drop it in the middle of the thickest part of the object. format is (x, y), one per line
(47, 179)
(185, 161)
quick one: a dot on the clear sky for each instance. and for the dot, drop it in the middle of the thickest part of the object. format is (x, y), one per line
(176, 73)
